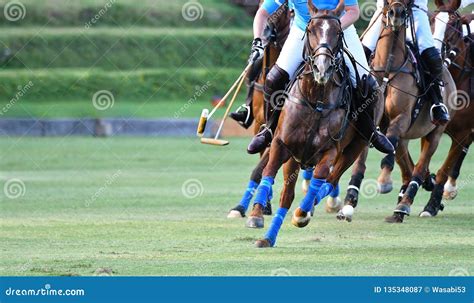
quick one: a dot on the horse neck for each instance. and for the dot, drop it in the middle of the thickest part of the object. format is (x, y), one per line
(384, 49)
(462, 60)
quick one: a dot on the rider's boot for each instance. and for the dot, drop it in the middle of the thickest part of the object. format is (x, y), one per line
(433, 62)
(244, 114)
(368, 94)
(275, 84)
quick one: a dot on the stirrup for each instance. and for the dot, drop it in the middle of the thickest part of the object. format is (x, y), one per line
(442, 105)
(247, 108)
(265, 127)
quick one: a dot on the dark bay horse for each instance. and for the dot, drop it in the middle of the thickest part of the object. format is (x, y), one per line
(276, 32)
(394, 66)
(457, 56)
(314, 126)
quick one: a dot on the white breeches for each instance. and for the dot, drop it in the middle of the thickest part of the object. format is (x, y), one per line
(291, 54)
(422, 27)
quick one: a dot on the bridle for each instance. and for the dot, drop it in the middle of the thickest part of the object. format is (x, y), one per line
(388, 13)
(449, 51)
(324, 49)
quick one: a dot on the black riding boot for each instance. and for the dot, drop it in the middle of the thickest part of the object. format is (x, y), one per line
(434, 64)
(275, 84)
(244, 114)
(367, 95)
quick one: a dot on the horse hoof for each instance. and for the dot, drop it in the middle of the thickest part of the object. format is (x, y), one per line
(267, 210)
(425, 214)
(333, 205)
(254, 222)
(263, 243)
(450, 192)
(384, 188)
(236, 212)
(305, 186)
(395, 218)
(300, 221)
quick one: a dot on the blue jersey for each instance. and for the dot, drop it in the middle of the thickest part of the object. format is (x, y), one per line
(302, 15)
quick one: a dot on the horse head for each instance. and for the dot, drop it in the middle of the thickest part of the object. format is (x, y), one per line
(396, 13)
(324, 42)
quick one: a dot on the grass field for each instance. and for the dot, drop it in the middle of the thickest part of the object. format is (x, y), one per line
(116, 206)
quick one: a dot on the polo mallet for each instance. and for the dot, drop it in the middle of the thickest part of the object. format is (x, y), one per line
(205, 115)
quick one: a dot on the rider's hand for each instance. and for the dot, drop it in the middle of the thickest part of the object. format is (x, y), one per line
(256, 52)
(466, 19)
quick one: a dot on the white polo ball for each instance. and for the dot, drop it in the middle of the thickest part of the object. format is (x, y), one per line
(348, 210)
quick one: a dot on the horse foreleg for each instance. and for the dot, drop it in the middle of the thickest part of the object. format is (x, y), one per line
(457, 153)
(429, 143)
(302, 215)
(357, 149)
(405, 162)
(450, 167)
(255, 178)
(358, 171)
(278, 156)
(290, 173)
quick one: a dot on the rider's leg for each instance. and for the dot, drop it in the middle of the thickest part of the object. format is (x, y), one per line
(432, 58)
(279, 76)
(369, 85)
(373, 33)
(244, 114)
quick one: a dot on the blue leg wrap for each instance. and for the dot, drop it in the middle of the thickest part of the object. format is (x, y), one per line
(335, 191)
(248, 195)
(276, 224)
(308, 200)
(325, 189)
(308, 174)
(264, 190)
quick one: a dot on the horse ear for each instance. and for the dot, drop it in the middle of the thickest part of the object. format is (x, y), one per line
(454, 5)
(312, 8)
(339, 8)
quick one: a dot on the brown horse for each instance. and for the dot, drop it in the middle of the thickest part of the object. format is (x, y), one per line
(395, 68)
(312, 128)
(276, 32)
(456, 54)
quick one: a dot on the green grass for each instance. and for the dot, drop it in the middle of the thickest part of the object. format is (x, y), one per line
(83, 108)
(124, 49)
(126, 13)
(117, 203)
